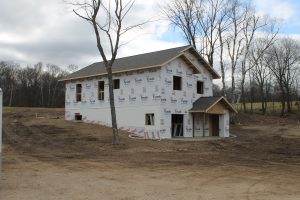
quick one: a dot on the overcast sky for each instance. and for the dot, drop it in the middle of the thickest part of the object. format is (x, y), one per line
(39, 30)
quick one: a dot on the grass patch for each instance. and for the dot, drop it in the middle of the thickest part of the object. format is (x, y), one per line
(8, 109)
(271, 106)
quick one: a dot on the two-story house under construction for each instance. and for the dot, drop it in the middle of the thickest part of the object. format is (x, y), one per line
(162, 94)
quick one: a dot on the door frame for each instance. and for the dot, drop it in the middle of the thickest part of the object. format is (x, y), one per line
(214, 125)
(178, 125)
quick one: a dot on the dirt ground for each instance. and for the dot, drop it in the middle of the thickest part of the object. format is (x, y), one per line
(48, 158)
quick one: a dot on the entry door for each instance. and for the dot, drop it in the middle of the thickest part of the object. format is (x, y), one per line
(177, 125)
(215, 125)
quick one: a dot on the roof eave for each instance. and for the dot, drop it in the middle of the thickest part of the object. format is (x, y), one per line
(197, 111)
(115, 72)
(231, 108)
(209, 68)
(229, 104)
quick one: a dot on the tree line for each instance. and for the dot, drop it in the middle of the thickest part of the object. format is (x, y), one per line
(33, 86)
(256, 64)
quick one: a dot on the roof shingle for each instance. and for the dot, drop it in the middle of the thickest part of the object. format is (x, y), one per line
(128, 63)
(203, 104)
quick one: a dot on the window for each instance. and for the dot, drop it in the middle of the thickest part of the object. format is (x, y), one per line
(101, 90)
(78, 92)
(200, 87)
(149, 119)
(116, 83)
(78, 117)
(177, 83)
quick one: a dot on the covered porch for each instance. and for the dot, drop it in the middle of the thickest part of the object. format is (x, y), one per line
(211, 117)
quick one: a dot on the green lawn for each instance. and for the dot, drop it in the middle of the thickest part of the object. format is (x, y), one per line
(276, 106)
(8, 109)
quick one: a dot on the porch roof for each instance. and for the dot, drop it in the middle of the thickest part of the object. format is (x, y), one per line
(213, 105)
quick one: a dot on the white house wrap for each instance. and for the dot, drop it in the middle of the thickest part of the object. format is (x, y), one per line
(154, 95)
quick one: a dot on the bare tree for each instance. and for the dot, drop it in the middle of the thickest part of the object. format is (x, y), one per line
(249, 27)
(200, 22)
(204, 24)
(261, 73)
(8, 79)
(30, 86)
(292, 63)
(72, 68)
(107, 20)
(214, 26)
(252, 26)
(223, 26)
(54, 71)
(13, 79)
(184, 15)
(234, 40)
(284, 64)
(39, 67)
(213, 17)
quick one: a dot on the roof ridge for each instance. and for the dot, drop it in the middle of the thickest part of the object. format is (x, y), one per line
(159, 51)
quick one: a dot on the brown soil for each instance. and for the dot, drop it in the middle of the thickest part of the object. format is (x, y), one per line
(48, 158)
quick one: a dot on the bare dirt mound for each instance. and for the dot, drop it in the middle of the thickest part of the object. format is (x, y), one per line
(46, 157)
(260, 141)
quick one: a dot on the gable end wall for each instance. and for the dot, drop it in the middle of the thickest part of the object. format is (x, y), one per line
(181, 101)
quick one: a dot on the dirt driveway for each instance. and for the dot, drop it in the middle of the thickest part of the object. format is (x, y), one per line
(47, 158)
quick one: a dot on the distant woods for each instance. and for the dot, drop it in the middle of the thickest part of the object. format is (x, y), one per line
(256, 63)
(33, 86)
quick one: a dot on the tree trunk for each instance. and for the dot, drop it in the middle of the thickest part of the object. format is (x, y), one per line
(221, 62)
(42, 94)
(53, 95)
(223, 81)
(273, 104)
(251, 105)
(232, 87)
(49, 95)
(288, 100)
(266, 106)
(11, 95)
(282, 104)
(282, 107)
(244, 105)
(251, 88)
(243, 94)
(263, 101)
(116, 138)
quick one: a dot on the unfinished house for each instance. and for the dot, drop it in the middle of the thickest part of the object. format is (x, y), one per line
(162, 94)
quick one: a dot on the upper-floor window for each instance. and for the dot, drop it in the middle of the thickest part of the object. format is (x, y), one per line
(101, 90)
(116, 83)
(78, 92)
(200, 87)
(177, 83)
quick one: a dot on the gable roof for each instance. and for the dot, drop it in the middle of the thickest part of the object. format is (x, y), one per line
(204, 104)
(138, 62)
(206, 65)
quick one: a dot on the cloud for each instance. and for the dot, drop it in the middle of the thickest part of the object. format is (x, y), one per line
(279, 9)
(48, 31)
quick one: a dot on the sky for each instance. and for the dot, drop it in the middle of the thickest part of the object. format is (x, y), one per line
(48, 31)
